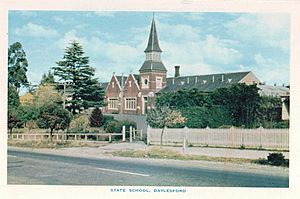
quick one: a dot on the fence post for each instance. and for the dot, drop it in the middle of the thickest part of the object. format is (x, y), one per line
(141, 134)
(123, 134)
(260, 138)
(134, 131)
(148, 134)
(85, 137)
(130, 134)
(184, 145)
(75, 137)
(109, 139)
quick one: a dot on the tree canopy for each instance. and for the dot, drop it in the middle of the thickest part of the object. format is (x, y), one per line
(237, 105)
(75, 68)
(17, 66)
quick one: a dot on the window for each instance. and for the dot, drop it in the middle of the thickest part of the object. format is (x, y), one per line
(130, 103)
(145, 82)
(113, 85)
(113, 103)
(158, 82)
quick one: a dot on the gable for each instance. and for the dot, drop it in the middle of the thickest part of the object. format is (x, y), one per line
(131, 87)
(250, 79)
(113, 88)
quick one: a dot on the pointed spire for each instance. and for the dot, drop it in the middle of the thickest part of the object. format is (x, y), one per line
(153, 40)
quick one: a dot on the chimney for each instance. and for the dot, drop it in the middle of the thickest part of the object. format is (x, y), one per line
(213, 78)
(177, 71)
(222, 78)
(188, 80)
(196, 79)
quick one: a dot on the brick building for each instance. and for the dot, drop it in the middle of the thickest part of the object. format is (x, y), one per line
(135, 93)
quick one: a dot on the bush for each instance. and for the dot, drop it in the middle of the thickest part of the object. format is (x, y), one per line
(106, 120)
(79, 123)
(31, 124)
(96, 118)
(282, 125)
(276, 159)
(114, 127)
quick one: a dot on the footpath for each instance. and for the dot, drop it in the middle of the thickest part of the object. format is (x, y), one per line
(108, 149)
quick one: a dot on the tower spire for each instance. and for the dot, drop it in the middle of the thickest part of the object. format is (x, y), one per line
(153, 44)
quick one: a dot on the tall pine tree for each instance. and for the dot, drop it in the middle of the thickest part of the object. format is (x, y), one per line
(75, 69)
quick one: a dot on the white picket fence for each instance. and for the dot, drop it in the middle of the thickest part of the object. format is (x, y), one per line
(232, 137)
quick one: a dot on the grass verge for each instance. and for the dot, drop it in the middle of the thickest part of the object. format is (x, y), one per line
(52, 145)
(168, 154)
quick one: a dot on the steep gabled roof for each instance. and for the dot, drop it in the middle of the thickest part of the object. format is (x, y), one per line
(153, 40)
(205, 83)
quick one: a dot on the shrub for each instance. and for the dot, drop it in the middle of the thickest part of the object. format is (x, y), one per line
(282, 125)
(79, 123)
(127, 124)
(31, 124)
(106, 120)
(276, 159)
(114, 127)
(96, 118)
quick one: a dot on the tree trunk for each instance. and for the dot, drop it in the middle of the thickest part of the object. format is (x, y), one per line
(161, 137)
(51, 131)
(10, 132)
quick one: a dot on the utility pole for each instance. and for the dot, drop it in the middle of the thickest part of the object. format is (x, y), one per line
(122, 95)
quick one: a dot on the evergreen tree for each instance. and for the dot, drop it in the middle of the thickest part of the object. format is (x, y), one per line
(96, 118)
(17, 66)
(75, 68)
(48, 78)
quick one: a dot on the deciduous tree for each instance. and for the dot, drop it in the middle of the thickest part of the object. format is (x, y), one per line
(162, 117)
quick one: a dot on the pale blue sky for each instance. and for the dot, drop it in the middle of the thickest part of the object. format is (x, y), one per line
(200, 43)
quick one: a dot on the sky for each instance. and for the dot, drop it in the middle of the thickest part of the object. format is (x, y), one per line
(201, 43)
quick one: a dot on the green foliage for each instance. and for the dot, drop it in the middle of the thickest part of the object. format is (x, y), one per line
(282, 125)
(276, 159)
(202, 117)
(53, 117)
(269, 112)
(242, 102)
(184, 98)
(96, 118)
(32, 124)
(106, 120)
(17, 65)
(13, 120)
(47, 78)
(75, 68)
(13, 97)
(161, 117)
(28, 112)
(116, 126)
(80, 123)
(46, 95)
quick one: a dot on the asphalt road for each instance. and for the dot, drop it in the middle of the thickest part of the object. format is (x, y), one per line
(37, 168)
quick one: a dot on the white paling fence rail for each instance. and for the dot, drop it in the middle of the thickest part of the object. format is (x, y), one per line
(61, 136)
(232, 137)
(131, 134)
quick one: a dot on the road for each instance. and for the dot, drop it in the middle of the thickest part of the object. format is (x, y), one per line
(37, 168)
